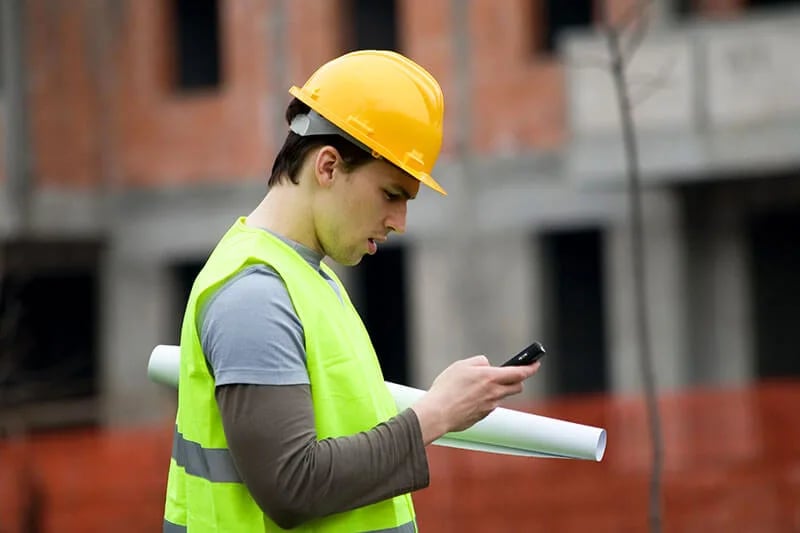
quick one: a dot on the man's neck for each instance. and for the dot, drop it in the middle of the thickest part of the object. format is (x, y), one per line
(286, 212)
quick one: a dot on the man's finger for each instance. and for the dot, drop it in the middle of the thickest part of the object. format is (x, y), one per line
(514, 374)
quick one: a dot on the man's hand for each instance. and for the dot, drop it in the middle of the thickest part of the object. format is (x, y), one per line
(466, 392)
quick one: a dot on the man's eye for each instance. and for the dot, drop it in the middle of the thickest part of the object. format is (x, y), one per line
(390, 195)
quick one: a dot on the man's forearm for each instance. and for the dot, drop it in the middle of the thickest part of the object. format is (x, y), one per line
(293, 476)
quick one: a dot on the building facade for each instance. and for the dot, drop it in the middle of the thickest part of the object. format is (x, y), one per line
(135, 132)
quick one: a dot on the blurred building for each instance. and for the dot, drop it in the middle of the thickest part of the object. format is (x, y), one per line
(135, 132)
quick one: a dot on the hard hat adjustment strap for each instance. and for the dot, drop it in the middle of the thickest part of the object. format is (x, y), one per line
(313, 123)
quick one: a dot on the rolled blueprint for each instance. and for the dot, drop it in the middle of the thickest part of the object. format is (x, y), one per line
(517, 433)
(505, 431)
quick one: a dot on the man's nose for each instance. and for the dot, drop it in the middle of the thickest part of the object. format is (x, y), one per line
(396, 221)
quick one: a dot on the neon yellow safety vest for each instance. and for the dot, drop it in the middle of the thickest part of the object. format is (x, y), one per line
(205, 492)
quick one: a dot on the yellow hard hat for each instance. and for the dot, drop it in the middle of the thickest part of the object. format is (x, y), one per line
(385, 101)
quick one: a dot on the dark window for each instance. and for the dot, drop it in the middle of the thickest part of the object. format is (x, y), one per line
(49, 293)
(554, 16)
(684, 8)
(574, 311)
(775, 260)
(381, 301)
(197, 44)
(183, 276)
(372, 25)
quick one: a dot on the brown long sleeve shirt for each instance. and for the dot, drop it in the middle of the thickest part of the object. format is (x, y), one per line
(293, 476)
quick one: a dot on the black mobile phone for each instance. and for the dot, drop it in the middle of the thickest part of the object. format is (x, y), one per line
(528, 356)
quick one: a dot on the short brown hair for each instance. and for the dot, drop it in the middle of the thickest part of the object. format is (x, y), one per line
(295, 148)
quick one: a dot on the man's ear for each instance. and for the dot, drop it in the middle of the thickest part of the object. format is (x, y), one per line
(325, 163)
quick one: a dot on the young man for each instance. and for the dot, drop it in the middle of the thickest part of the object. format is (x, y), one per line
(284, 420)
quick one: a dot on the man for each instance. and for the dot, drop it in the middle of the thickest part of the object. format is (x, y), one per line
(284, 420)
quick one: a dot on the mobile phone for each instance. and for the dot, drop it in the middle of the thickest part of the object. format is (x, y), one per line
(528, 356)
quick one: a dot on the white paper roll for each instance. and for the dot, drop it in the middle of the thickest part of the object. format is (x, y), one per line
(508, 430)
(504, 431)
(164, 366)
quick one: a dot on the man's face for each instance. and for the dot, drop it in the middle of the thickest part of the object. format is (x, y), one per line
(362, 208)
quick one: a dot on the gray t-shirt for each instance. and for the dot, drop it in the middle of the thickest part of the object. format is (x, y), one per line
(250, 331)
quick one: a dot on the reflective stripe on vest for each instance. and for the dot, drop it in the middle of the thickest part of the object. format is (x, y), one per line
(214, 464)
(169, 527)
(409, 527)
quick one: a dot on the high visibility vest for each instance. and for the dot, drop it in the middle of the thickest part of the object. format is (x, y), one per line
(204, 491)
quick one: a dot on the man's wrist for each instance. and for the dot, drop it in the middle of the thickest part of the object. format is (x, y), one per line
(431, 420)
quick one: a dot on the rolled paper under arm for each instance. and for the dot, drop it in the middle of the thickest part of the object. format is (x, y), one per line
(505, 431)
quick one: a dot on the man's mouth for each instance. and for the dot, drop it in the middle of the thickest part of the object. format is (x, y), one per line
(372, 246)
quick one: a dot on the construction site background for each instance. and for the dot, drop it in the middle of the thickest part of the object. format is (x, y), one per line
(134, 132)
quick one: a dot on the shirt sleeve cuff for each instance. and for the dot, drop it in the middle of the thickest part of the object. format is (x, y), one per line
(421, 472)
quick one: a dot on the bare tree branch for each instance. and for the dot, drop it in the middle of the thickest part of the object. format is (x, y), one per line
(647, 85)
(635, 30)
(619, 62)
(632, 14)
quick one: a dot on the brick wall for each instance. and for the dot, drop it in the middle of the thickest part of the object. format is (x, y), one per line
(732, 464)
(104, 112)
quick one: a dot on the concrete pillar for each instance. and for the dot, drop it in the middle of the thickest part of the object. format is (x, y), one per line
(435, 322)
(721, 330)
(664, 260)
(277, 99)
(732, 359)
(506, 274)
(478, 299)
(16, 138)
(137, 316)
(6, 212)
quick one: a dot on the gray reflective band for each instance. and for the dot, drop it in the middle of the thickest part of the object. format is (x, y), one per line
(216, 465)
(409, 527)
(213, 464)
(169, 527)
(313, 123)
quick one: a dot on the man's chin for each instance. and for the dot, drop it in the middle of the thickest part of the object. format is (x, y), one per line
(349, 261)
